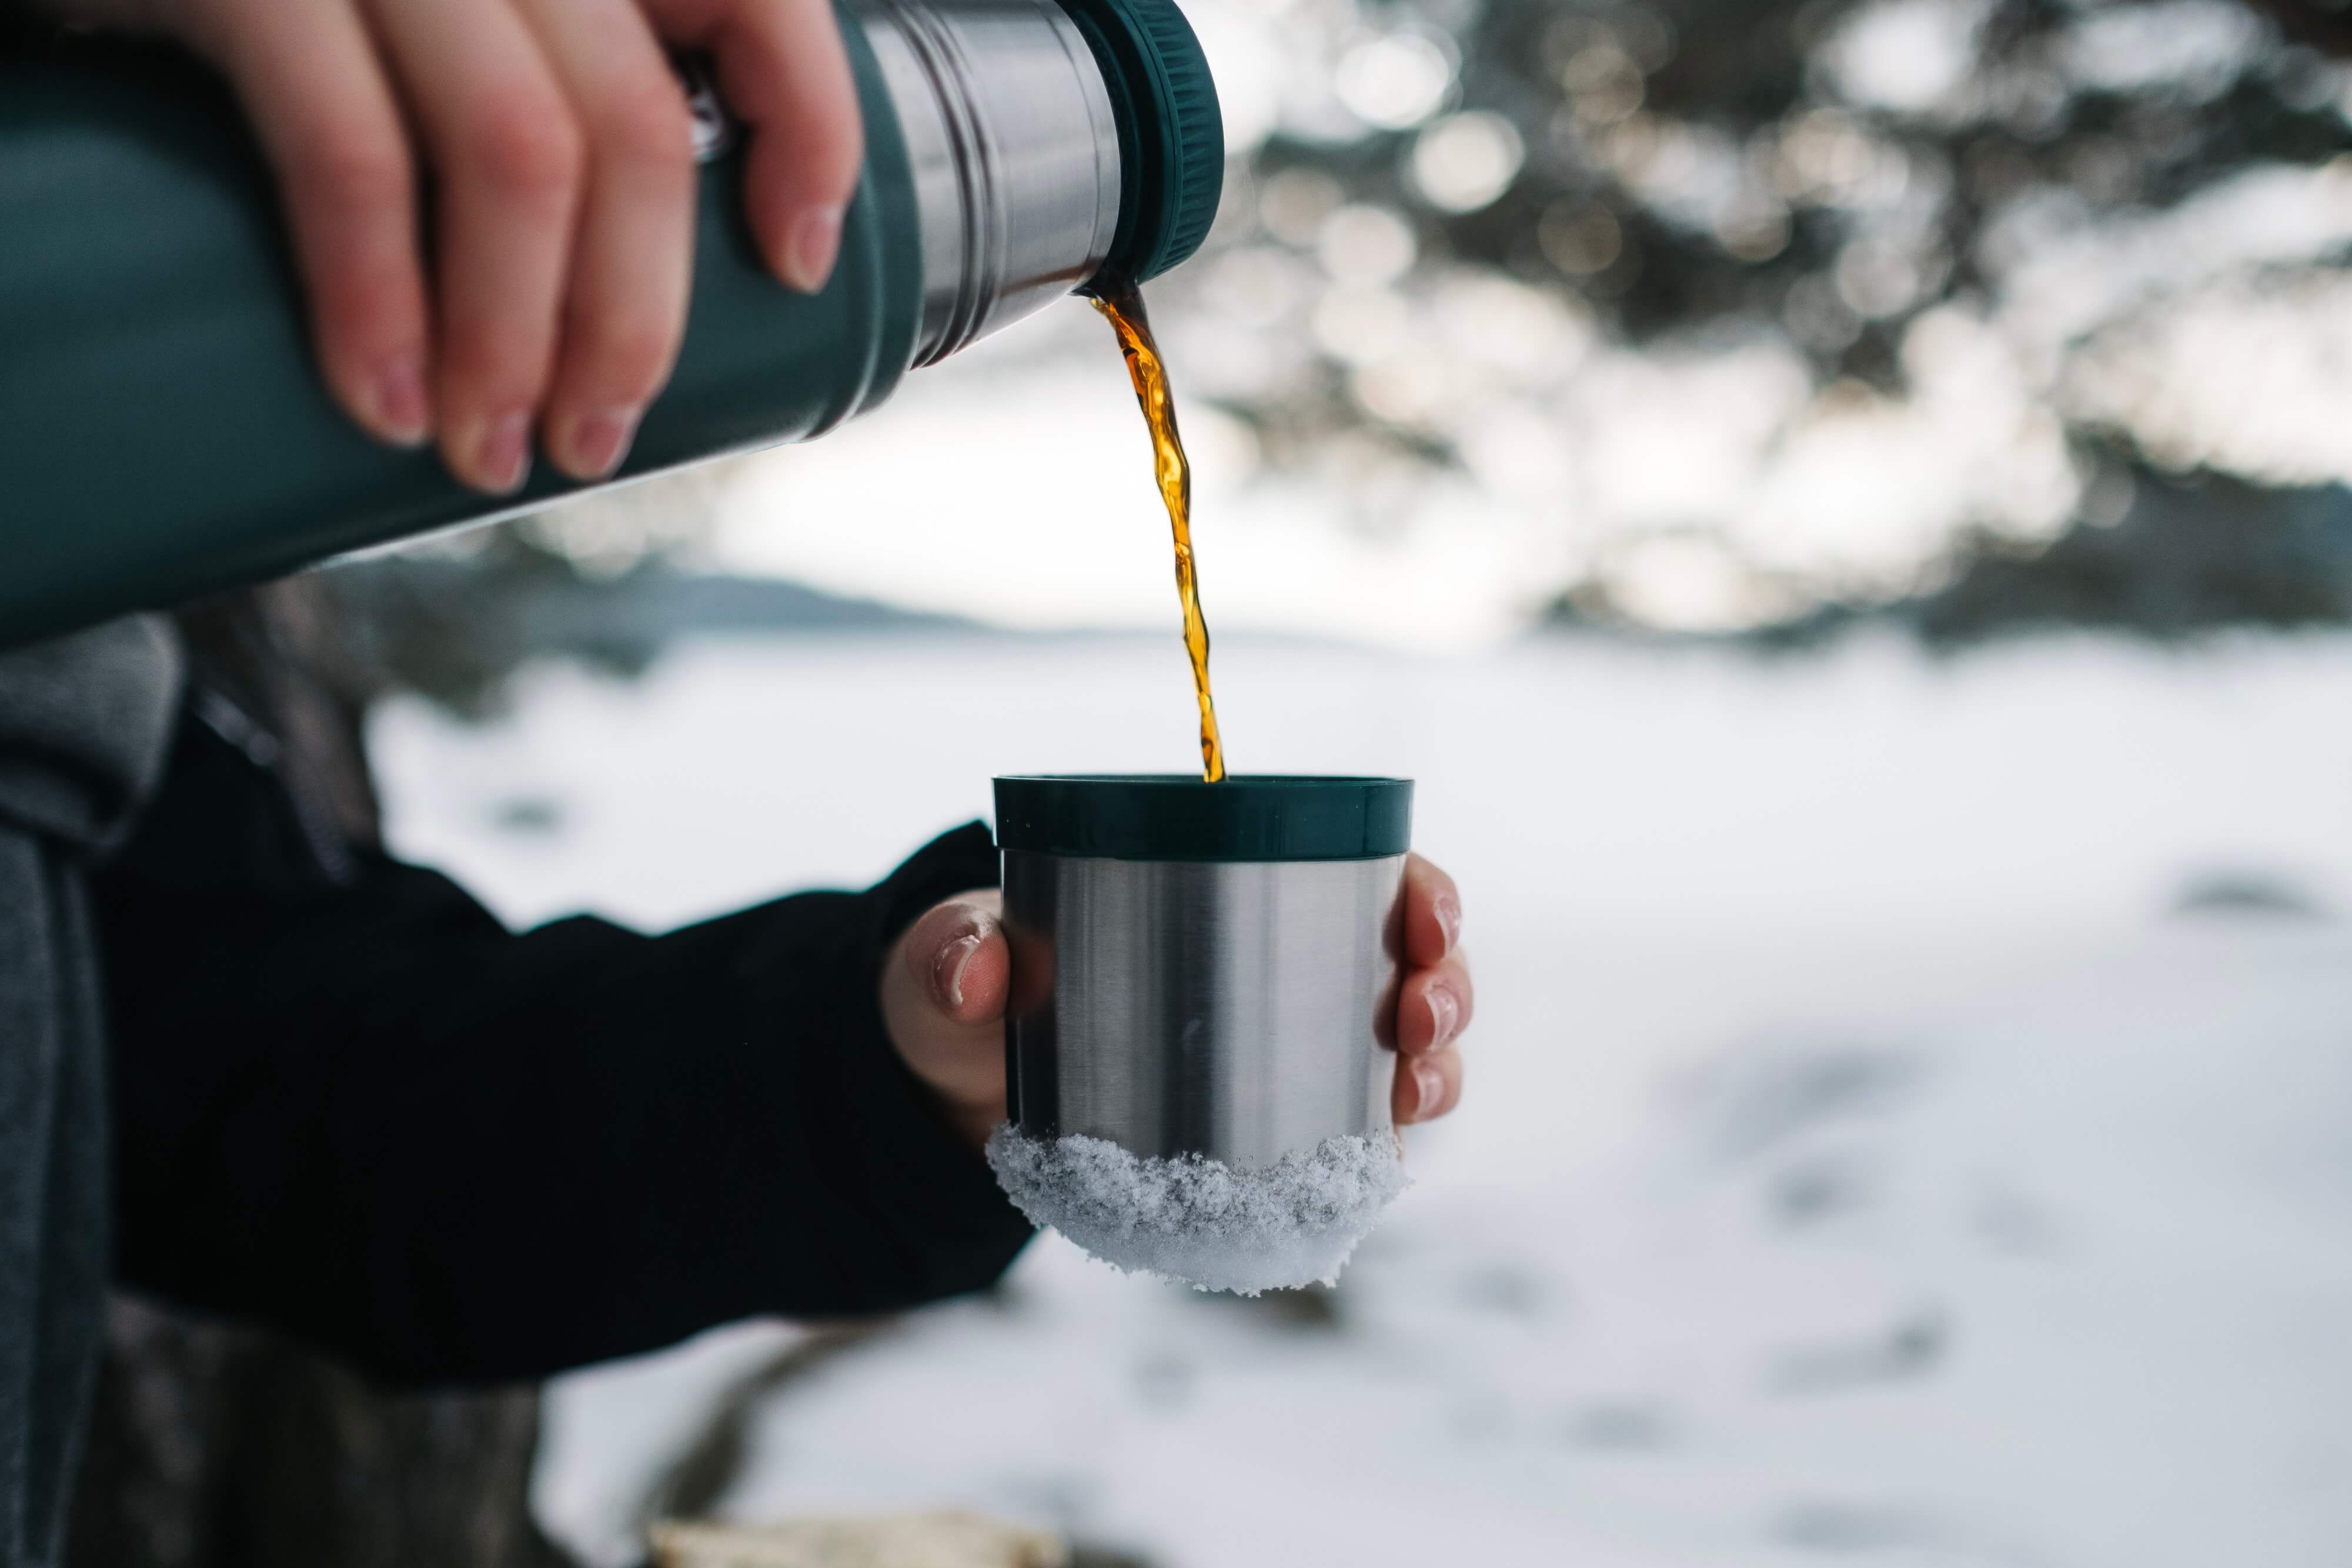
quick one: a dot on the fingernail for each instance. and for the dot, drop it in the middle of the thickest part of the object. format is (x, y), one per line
(1445, 1016)
(600, 441)
(1449, 918)
(947, 970)
(810, 249)
(1430, 1085)
(403, 415)
(502, 452)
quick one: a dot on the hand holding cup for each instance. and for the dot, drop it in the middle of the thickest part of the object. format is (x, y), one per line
(948, 979)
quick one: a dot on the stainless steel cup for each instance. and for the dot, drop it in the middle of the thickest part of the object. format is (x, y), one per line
(1202, 969)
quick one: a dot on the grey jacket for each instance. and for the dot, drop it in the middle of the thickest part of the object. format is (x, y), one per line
(84, 723)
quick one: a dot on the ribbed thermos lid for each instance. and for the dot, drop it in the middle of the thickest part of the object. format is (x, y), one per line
(1172, 139)
(1176, 817)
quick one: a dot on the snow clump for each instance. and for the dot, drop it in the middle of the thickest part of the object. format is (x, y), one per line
(1199, 1220)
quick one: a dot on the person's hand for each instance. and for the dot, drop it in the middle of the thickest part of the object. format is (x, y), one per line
(559, 155)
(945, 983)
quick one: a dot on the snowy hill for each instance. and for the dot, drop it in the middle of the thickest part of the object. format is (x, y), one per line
(1859, 1162)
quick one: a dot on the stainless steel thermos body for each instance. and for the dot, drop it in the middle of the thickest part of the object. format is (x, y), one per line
(164, 431)
(1202, 969)
(1014, 153)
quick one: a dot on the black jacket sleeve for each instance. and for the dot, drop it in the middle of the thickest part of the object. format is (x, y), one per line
(364, 1112)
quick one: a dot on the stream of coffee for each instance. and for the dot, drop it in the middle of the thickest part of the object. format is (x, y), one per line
(1121, 303)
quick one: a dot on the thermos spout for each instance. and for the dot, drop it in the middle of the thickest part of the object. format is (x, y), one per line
(1014, 153)
(1047, 142)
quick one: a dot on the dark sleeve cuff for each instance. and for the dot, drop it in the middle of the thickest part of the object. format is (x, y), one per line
(457, 1155)
(936, 1216)
(23, 24)
(779, 1158)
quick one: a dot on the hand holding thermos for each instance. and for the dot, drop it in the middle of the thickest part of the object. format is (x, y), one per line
(556, 142)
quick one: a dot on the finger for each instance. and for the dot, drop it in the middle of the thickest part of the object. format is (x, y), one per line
(633, 259)
(1426, 1087)
(508, 154)
(1434, 1007)
(1432, 913)
(316, 93)
(957, 956)
(783, 70)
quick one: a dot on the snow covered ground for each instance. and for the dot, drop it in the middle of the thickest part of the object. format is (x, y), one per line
(1860, 1161)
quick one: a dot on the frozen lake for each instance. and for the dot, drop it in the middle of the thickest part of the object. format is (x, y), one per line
(1858, 1159)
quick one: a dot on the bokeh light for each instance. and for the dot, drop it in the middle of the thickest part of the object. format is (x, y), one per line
(1465, 162)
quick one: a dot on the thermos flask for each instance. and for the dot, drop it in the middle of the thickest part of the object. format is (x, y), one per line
(164, 433)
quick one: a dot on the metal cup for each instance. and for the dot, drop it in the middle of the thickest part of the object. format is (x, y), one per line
(1202, 969)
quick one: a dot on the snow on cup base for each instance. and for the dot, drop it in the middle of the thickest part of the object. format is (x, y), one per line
(1199, 1220)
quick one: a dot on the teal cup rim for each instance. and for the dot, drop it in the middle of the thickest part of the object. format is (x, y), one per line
(1245, 816)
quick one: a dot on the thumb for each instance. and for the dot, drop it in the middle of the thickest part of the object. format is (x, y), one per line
(957, 956)
(943, 994)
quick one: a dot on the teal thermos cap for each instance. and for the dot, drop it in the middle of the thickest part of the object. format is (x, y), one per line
(1172, 139)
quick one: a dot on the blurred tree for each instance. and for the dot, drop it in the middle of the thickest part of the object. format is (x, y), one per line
(1837, 181)
(2192, 552)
